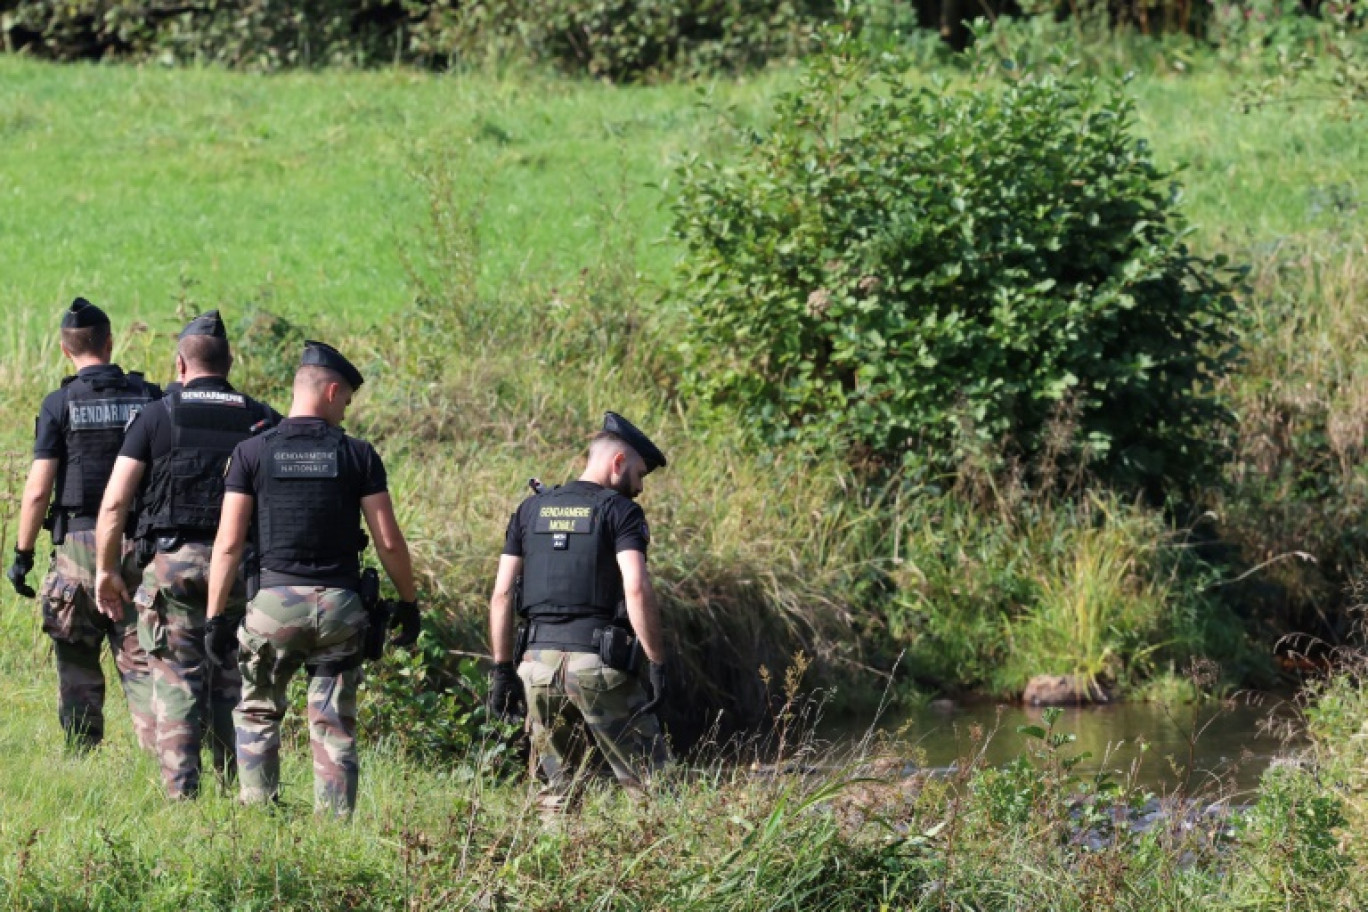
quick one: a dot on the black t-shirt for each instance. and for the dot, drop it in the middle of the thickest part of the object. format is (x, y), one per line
(150, 436)
(362, 467)
(49, 435)
(626, 521)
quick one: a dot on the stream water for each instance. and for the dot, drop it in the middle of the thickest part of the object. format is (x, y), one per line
(1156, 747)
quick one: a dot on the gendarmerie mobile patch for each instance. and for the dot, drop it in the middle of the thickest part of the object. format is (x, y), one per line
(304, 463)
(565, 520)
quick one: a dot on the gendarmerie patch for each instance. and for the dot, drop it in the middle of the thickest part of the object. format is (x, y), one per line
(304, 463)
(564, 520)
(213, 397)
(100, 414)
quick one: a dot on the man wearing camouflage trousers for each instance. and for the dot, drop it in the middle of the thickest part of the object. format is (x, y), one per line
(77, 437)
(579, 551)
(304, 487)
(182, 444)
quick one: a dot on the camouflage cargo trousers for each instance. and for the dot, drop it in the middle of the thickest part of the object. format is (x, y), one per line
(321, 630)
(189, 696)
(78, 629)
(572, 697)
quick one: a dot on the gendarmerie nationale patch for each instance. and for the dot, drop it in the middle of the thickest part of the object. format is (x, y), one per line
(100, 414)
(576, 520)
(304, 464)
(213, 397)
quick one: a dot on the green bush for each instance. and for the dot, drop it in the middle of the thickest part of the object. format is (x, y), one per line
(925, 273)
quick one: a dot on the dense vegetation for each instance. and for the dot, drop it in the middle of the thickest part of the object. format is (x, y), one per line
(918, 273)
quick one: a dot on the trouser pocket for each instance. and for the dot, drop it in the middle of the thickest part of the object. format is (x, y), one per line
(151, 621)
(67, 611)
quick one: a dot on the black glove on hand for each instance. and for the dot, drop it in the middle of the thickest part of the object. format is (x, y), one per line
(405, 616)
(506, 699)
(658, 688)
(22, 566)
(220, 639)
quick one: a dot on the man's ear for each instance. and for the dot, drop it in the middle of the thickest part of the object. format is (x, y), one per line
(181, 369)
(109, 346)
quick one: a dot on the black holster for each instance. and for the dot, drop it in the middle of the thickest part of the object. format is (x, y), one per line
(618, 648)
(144, 551)
(251, 572)
(378, 612)
(56, 523)
(524, 635)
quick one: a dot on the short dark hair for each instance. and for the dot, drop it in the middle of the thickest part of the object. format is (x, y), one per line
(211, 354)
(87, 340)
(318, 376)
(608, 437)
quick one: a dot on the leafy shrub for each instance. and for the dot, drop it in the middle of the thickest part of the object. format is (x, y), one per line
(924, 272)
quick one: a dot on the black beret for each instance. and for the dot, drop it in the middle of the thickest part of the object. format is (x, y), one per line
(82, 314)
(630, 434)
(324, 355)
(206, 324)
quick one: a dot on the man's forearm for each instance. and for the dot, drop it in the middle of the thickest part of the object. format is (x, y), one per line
(37, 493)
(501, 626)
(399, 567)
(223, 570)
(109, 534)
(644, 615)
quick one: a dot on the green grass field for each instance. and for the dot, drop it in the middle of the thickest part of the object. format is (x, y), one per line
(119, 182)
(530, 216)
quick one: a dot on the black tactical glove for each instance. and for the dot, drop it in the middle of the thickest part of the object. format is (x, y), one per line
(23, 564)
(658, 688)
(506, 699)
(405, 616)
(220, 639)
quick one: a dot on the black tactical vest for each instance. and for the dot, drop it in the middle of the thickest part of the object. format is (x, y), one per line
(185, 492)
(569, 564)
(308, 505)
(97, 411)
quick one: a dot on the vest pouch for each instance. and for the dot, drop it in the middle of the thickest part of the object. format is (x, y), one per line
(618, 648)
(73, 484)
(196, 490)
(67, 611)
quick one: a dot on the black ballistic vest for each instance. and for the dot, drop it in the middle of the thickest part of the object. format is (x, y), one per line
(185, 492)
(308, 505)
(97, 411)
(569, 564)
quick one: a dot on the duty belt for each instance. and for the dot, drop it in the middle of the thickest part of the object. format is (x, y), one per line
(568, 635)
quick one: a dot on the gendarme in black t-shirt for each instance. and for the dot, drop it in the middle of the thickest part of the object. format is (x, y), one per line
(361, 469)
(626, 521)
(150, 436)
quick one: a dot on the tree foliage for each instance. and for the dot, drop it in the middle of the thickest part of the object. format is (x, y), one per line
(617, 39)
